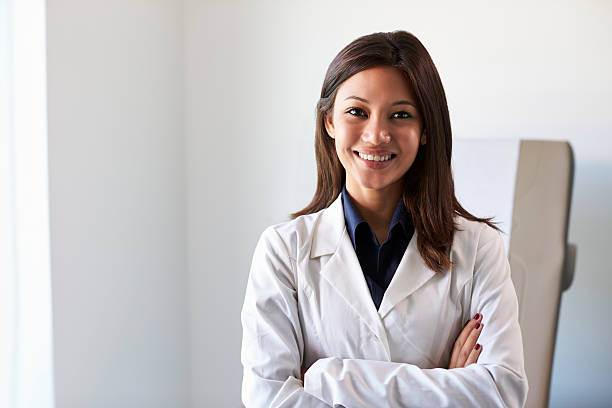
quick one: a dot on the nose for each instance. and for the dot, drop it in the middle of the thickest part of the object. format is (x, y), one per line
(376, 131)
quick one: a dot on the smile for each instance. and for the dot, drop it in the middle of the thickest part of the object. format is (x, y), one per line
(375, 158)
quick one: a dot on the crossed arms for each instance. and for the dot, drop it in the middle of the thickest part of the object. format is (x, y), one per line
(273, 347)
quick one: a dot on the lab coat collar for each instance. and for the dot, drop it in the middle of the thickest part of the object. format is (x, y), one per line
(329, 229)
(411, 274)
(344, 272)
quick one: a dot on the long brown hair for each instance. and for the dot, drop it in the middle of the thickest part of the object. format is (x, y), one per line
(429, 190)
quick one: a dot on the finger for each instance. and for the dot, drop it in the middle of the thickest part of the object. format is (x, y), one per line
(468, 328)
(473, 357)
(462, 338)
(469, 345)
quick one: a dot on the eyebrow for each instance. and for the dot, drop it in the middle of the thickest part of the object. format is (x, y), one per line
(366, 101)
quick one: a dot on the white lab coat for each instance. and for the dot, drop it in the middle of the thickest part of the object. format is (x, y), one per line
(307, 304)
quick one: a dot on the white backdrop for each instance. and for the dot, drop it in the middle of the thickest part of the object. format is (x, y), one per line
(201, 114)
(26, 344)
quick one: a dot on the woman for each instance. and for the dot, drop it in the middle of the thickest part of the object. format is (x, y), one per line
(361, 299)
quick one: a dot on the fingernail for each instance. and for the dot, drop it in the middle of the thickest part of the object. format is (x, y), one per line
(477, 347)
(477, 316)
(477, 326)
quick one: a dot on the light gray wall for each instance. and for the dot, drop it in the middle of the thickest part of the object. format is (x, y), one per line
(583, 359)
(117, 200)
(513, 70)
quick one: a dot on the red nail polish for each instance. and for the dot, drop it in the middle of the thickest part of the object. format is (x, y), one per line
(477, 347)
(477, 326)
(476, 316)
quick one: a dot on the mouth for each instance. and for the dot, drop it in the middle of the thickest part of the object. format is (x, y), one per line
(379, 157)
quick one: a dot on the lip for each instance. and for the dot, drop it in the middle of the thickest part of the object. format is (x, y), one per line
(373, 152)
(375, 164)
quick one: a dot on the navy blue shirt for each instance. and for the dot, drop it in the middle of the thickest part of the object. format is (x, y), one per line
(378, 262)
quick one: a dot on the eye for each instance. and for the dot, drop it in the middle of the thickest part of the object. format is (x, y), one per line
(402, 115)
(356, 112)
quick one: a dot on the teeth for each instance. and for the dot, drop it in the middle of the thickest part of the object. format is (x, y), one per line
(373, 157)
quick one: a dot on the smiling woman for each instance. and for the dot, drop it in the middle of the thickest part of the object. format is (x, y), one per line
(362, 299)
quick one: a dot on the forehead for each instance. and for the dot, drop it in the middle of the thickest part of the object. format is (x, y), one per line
(379, 84)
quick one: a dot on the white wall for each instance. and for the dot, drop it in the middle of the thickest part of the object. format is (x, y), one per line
(117, 203)
(513, 70)
(26, 339)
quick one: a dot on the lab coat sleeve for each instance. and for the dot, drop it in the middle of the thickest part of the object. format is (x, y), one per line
(272, 343)
(496, 380)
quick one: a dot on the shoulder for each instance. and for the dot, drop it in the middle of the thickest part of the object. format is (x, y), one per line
(293, 236)
(473, 240)
(475, 233)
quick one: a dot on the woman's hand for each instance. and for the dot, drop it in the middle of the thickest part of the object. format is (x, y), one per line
(466, 350)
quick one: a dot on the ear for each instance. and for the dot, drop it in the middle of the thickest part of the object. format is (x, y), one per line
(329, 125)
(423, 137)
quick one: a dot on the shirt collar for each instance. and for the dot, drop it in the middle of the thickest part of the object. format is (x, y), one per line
(354, 219)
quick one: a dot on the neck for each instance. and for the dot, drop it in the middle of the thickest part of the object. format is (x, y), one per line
(376, 206)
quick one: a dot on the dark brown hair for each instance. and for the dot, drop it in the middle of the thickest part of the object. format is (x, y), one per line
(429, 191)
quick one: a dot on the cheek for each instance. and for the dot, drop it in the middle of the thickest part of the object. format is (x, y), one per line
(344, 141)
(348, 136)
(411, 143)
(342, 152)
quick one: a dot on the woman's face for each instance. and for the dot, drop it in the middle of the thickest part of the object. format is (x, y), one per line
(377, 129)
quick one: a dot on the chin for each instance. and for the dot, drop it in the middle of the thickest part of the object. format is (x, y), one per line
(376, 184)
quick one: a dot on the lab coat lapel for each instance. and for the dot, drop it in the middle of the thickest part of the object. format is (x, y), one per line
(411, 274)
(343, 270)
